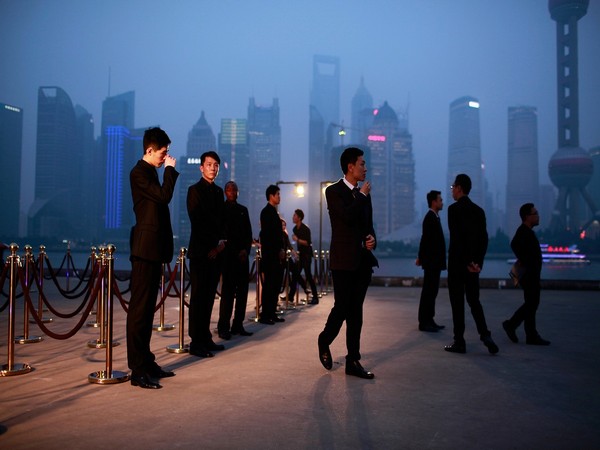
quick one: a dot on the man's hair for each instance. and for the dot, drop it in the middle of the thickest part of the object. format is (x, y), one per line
(432, 196)
(525, 210)
(349, 156)
(271, 190)
(231, 183)
(210, 154)
(464, 182)
(155, 138)
(300, 214)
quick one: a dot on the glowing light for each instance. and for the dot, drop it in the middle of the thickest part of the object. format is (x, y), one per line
(375, 111)
(376, 138)
(300, 190)
(473, 104)
(342, 132)
(194, 161)
(12, 108)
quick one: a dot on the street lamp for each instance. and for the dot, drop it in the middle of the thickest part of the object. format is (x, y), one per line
(298, 187)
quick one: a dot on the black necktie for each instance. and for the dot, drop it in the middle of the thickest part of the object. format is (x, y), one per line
(355, 191)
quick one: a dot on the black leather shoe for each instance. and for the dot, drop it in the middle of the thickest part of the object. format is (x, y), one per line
(314, 301)
(225, 335)
(355, 369)
(490, 344)
(455, 347)
(429, 327)
(211, 346)
(439, 327)
(278, 319)
(510, 331)
(266, 321)
(241, 332)
(325, 356)
(160, 373)
(538, 340)
(144, 381)
(201, 352)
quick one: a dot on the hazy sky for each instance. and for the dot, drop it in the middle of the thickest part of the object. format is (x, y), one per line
(182, 57)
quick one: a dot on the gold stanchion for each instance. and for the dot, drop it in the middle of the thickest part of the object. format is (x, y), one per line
(180, 347)
(12, 368)
(96, 261)
(101, 314)
(26, 339)
(108, 376)
(161, 326)
(257, 259)
(40, 311)
(328, 287)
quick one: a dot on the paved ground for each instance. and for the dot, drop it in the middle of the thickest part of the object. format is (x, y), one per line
(269, 391)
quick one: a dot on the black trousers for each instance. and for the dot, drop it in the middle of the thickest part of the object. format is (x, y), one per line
(204, 279)
(431, 286)
(145, 284)
(272, 278)
(461, 284)
(349, 290)
(526, 313)
(234, 286)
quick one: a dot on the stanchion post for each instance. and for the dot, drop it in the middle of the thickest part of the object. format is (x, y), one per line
(26, 339)
(161, 326)
(109, 376)
(96, 262)
(40, 312)
(257, 258)
(10, 368)
(101, 313)
(181, 348)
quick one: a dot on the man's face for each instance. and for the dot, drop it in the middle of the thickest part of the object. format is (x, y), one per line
(533, 218)
(231, 192)
(437, 204)
(210, 169)
(295, 218)
(275, 199)
(156, 158)
(358, 170)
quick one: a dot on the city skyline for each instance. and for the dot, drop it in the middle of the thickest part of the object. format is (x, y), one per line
(416, 56)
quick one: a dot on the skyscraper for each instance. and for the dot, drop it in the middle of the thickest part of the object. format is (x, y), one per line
(235, 156)
(464, 146)
(11, 136)
(522, 185)
(88, 149)
(324, 110)
(361, 114)
(201, 139)
(52, 214)
(264, 142)
(392, 172)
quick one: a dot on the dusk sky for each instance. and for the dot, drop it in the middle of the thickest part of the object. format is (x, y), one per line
(184, 57)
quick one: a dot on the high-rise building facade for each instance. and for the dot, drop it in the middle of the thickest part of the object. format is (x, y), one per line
(324, 118)
(234, 152)
(201, 139)
(361, 114)
(264, 143)
(11, 137)
(464, 146)
(522, 184)
(52, 214)
(391, 171)
(87, 148)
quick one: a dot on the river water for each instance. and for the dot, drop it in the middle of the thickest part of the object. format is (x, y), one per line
(399, 267)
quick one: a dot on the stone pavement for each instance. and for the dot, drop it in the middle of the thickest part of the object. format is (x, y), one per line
(269, 391)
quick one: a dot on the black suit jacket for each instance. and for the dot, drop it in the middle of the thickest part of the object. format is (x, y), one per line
(205, 203)
(238, 230)
(351, 221)
(152, 236)
(468, 234)
(271, 237)
(526, 248)
(432, 248)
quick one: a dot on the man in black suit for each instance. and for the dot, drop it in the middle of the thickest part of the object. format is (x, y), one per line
(351, 259)
(151, 244)
(207, 241)
(238, 232)
(432, 258)
(301, 234)
(272, 256)
(526, 247)
(468, 245)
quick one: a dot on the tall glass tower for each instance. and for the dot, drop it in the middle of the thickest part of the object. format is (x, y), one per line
(11, 136)
(464, 146)
(523, 174)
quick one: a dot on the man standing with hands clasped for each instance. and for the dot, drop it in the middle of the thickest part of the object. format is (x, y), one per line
(351, 259)
(468, 246)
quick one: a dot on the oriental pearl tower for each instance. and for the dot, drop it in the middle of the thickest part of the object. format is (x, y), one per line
(571, 166)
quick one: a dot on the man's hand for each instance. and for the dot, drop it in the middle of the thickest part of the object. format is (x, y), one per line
(473, 268)
(366, 188)
(170, 161)
(370, 242)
